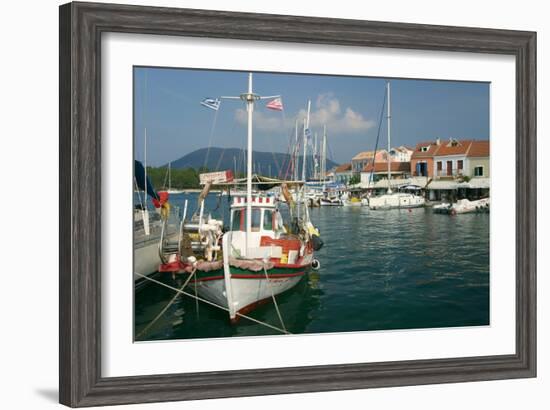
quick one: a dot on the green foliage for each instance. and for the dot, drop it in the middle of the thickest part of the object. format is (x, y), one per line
(187, 178)
(355, 179)
(466, 178)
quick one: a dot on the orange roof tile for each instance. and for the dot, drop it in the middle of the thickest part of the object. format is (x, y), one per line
(453, 147)
(480, 148)
(432, 149)
(343, 168)
(395, 166)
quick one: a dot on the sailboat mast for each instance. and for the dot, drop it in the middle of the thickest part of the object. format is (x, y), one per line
(315, 165)
(324, 155)
(295, 152)
(389, 138)
(169, 176)
(306, 129)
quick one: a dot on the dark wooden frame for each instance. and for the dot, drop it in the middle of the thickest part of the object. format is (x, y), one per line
(81, 27)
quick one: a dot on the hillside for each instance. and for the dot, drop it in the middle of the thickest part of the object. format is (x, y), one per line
(227, 158)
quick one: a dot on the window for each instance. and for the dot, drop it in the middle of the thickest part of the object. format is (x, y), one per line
(439, 166)
(424, 149)
(478, 171)
(239, 220)
(236, 222)
(460, 164)
(256, 219)
(268, 220)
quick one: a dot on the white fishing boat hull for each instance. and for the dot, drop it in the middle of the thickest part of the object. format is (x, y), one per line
(396, 201)
(246, 293)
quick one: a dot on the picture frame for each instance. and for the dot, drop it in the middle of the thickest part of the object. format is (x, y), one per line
(81, 28)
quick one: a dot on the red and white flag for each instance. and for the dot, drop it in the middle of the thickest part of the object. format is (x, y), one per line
(275, 104)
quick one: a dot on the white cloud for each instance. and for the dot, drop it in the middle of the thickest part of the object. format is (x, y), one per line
(262, 121)
(326, 111)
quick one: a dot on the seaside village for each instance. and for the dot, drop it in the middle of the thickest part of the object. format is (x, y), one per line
(256, 255)
(443, 172)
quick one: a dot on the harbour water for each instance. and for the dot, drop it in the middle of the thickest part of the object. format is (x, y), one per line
(380, 270)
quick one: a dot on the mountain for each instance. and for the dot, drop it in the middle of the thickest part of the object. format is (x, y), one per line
(216, 159)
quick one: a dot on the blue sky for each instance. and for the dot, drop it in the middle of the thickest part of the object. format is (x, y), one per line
(167, 102)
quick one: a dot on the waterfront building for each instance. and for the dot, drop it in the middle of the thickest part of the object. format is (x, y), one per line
(379, 170)
(401, 153)
(449, 159)
(460, 170)
(359, 161)
(478, 163)
(422, 159)
(343, 173)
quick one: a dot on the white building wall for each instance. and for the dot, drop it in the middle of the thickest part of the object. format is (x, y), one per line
(454, 159)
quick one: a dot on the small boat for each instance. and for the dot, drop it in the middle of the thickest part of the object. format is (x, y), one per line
(396, 200)
(150, 225)
(330, 201)
(260, 256)
(254, 268)
(352, 202)
(463, 206)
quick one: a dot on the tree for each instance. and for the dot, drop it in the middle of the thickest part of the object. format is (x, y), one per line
(354, 180)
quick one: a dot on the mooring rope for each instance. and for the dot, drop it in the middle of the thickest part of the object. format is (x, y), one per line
(166, 307)
(274, 300)
(212, 303)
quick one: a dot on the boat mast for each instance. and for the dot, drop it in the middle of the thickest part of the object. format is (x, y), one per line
(324, 156)
(249, 98)
(295, 151)
(306, 129)
(169, 176)
(389, 138)
(315, 164)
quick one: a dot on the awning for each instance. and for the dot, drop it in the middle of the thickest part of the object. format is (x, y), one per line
(476, 183)
(442, 185)
(419, 182)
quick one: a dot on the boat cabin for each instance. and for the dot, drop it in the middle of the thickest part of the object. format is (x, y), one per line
(266, 228)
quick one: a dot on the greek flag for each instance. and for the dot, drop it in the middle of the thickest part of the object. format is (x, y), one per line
(212, 103)
(308, 133)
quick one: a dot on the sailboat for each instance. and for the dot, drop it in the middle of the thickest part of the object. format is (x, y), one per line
(394, 200)
(260, 255)
(150, 226)
(328, 196)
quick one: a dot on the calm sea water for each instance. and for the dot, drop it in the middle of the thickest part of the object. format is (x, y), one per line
(397, 269)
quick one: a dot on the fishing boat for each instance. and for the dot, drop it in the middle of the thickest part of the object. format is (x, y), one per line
(394, 200)
(260, 256)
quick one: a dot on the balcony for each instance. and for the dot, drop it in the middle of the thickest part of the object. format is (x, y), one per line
(449, 173)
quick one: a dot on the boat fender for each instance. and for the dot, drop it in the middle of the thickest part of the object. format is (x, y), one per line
(315, 264)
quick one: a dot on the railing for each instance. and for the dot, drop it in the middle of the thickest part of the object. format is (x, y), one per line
(454, 172)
